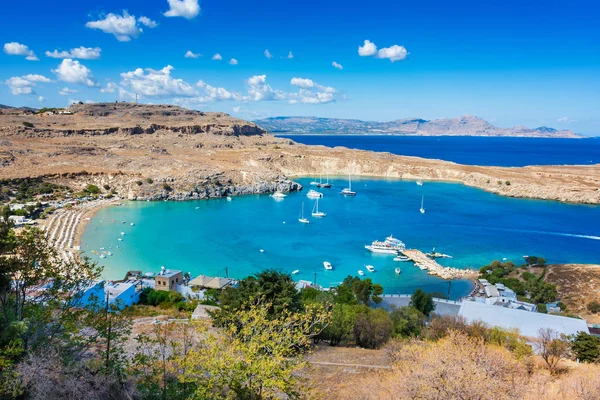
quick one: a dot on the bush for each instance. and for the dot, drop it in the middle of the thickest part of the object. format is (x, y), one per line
(149, 180)
(91, 189)
(167, 187)
(139, 183)
(373, 328)
(28, 124)
(507, 183)
(408, 321)
(106, 187)
(586, 347)
(593, 307)
(162, 298)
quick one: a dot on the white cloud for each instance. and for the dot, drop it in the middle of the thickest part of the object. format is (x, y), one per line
(336, 65)
(367, 49)
(124, 28)
(302, 82)
(84, 53)
(20, 85)
(153, 83)
(217, 56)
(233, 61)
(290, 55)
(66, 91)
(190, 54)
(237, 109)
(393, 53)
(258, 89)
(267, 54)
(311, 92)
(41, 99)
(564, 120)
(183, 8)
(110, 88)
(72, 71)
(18, 49)
(147, 22)
(217, 93)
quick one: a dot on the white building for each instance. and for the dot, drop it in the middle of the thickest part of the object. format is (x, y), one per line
(122, 294)
(527, 323)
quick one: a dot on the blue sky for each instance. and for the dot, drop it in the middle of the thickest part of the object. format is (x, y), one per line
(511, 62)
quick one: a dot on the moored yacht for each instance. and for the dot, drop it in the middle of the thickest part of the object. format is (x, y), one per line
(316, 212)
(348, 191)
(397, 270)
(360, 272)
(391, 245)
(401, 258)
(327, 265)
(370, 268)
(278, 195)
(301, 218)
(313, 194)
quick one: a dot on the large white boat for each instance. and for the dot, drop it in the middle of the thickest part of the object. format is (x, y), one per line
(370, 268)
(278, 195)
(348, 191)
(390, 245)
(327, 265)
(313, 194)
(301, 218)
(316, 213)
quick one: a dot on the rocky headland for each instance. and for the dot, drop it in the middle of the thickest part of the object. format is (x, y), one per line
(158, 152)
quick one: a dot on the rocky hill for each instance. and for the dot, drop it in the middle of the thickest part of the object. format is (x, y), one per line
(166, 152)
(467, 125)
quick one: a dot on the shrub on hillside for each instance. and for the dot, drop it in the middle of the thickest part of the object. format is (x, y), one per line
(373, 328)
(593, 307)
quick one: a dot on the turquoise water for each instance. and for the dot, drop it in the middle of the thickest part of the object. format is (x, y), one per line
(475, 227)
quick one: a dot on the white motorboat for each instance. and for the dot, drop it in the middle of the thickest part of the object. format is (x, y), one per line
(313, 194)
(122, 233)
(370, 268)
(327, 265)
(420, 182)
(397, 270)
(401, 259)
(348, 191)
(278, 195)
(360, 272)
(102, 256)
(301, 218)
(316, 213)
(295, 272)
(229, 198)
(119, 239)
(131, 224)
(109, 254)
(422, 210)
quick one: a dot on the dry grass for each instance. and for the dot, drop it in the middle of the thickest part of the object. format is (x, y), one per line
(578, 284)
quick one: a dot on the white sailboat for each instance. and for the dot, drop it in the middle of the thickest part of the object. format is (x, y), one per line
(348, 191)
(301, 216)
(316, 212)
(422, 210)
(326, 185)
(420, 182)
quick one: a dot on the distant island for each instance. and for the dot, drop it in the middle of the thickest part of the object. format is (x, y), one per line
(466, 125)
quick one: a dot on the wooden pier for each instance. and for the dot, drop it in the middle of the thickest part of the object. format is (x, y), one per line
(433, 268)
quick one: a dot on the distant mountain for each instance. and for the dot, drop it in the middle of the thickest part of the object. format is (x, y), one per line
(466, 125)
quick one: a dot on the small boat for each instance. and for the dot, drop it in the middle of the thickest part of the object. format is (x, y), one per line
(348, 191)
(327, 265)
(316, 213)
(401, 258)
(301, 216)
(278, 195)
(109, 254)
(295, 272)
(229, 198)
(360, 272)
(370, 268)
(422, 210)
(314, 183)
(313, 194)
(422, 267)
(123, 222)
(131, 224)
(122, 233)
(326, 185)
(262, 251)
(101, 248)
(102, 256)
(119, 239)
(197, 208)
(420, 182)
(397, 270)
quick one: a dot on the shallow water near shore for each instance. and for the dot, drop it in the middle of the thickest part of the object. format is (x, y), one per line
(473, 226)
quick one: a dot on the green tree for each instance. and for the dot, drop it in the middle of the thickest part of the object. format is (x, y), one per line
(91, 189)
(586, 347)
(408, 321)
(341, 326)
(355, 290)
(372, 329)
(423, 302)
(593, 306)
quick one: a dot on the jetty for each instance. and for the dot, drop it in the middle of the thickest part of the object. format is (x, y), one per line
(422, 260)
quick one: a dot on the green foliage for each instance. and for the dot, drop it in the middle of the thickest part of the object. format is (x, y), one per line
(271, 286)
(535, 261)
(25, 189)
(373, 328)
(28, 124)
(149, 180)
(341, 326)
(353, 290)
(586, 347)
(541, 307)
(593, 307)
(167, 187)
(507, 183)
(91, 189)
(408, 321)
(106, 187)
(165, 299)
(139, 183)
(423, 302)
